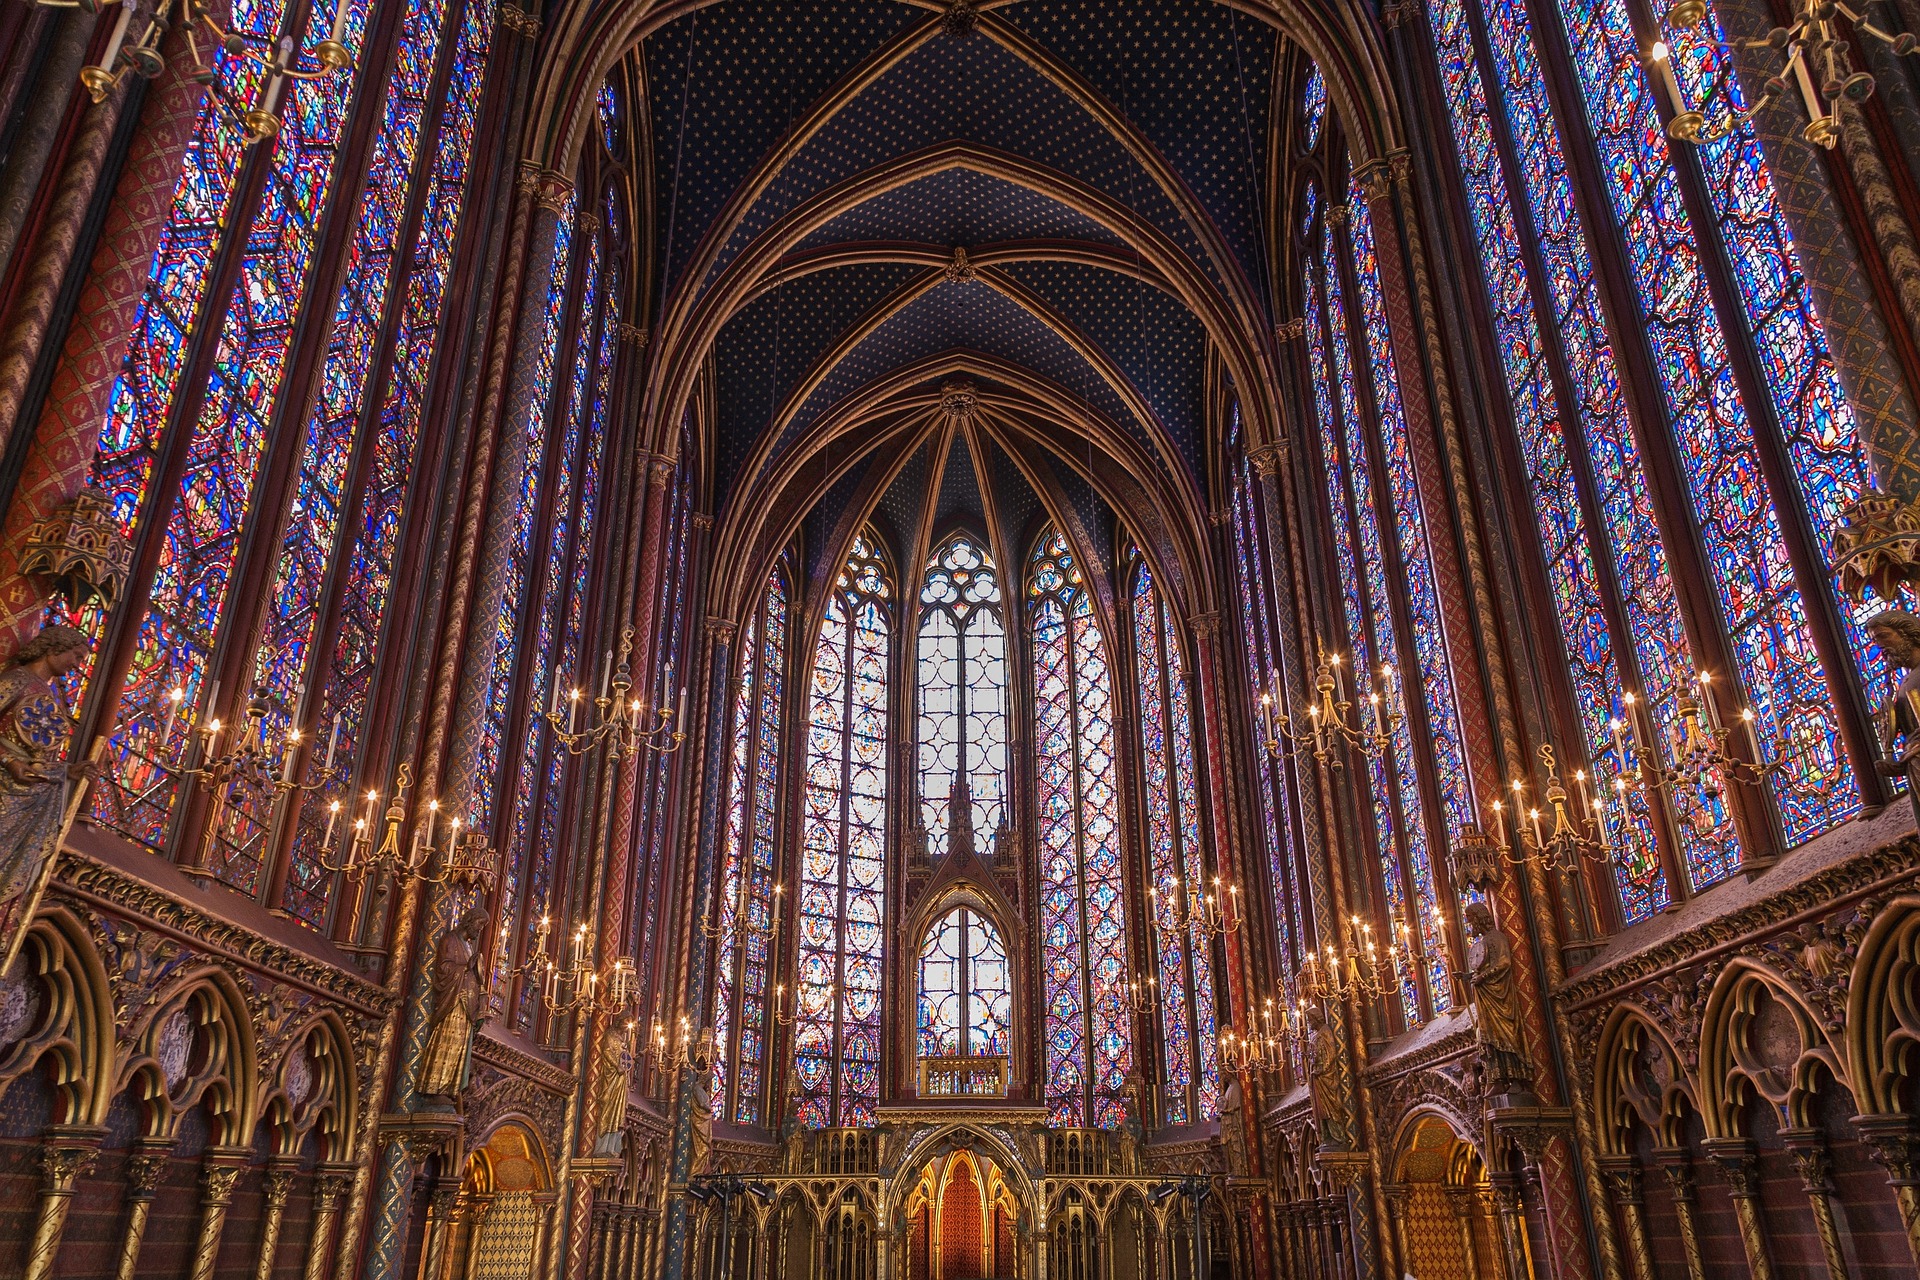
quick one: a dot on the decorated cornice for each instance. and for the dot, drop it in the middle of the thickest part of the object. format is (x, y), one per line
(515, 1061)
(84, 880)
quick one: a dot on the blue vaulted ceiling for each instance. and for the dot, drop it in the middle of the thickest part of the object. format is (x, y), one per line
(759, 108)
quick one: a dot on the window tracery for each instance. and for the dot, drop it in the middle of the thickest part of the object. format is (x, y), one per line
(1089, 1043)
(962, 691)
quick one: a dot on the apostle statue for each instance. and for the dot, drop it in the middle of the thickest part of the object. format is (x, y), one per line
(1323, 1079)
(1233, 1127)
(38, 783)
(610, 1086)
(457, 992)
(1496, 1003)
(1133, 1130)
(1897, 632)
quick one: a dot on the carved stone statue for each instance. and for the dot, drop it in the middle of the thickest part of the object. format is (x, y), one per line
(1133, 1130)
(1323, 1079)
(792, 1136)
(1897, 632)
(702, 1118)
(610, 1092)
(1233, 1127)
(36, 777)
(1496, 1004)
(457, 991)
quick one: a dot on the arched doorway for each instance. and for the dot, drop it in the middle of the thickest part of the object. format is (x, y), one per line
(1444, 1225)
(508, 1198)
(961, 1221)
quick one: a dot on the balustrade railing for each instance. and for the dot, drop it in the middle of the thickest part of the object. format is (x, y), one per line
(963, 1077)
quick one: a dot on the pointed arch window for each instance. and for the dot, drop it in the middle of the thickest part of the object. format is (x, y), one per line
(747, 900)
(963, 690)
(1083, 927)
(843, 853)
(966, 1002)
(301, 481)
(1375, 514)
(1190, 1083)
(1740, 396)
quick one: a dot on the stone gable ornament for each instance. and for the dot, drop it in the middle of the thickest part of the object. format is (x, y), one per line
(80, 547)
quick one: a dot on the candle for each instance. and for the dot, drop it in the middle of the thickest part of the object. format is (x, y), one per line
(1537, 841)
(1708, 709)
(1619, 747)
(1663, 66)
(573, 709)
(339, 22)
(333, 816)
(1753, 734)
(1266, 717)
(553, 707)
(606, 672)
(433, 812)
(680, 720)
(271, 98)
(1633, 720)
(119, 36)
(333, 743)
(174, 699)
(1586, 801)
(1339, 688)
(292, 751)
(1499, 825)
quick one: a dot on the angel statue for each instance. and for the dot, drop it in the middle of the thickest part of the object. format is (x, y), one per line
(38, 783)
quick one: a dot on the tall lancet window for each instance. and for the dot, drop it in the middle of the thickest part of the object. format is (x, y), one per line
(1083, 927)
(1190, 1084)
(963, 691)
(747, 904)
(965, 999)
(843, 871)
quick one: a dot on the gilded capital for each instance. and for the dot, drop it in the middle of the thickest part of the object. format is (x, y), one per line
(1266, 459)
(1373, 178)
(720, 630)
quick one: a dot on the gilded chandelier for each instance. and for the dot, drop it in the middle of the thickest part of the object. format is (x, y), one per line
(1813, 46)
(261, 120)
(625, 723)
(464, 862)
(1327, 722)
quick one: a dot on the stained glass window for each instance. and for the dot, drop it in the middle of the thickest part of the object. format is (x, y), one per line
(1739, 522)
(1313, 105)
(965, 999)
(1083, 928)
(1264, 656)
(963, 691)
(843, 854)
(1551, 443)
(747, 904)
(1190, 1083)
(336, 527)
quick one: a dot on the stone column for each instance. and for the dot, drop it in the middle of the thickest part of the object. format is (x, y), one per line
(1895, 1142)
(145, 1167)
(66, 1153)
(1623, 1177)
(1677, 1165)
(1739, 1161)
(1398, 1196)
(330, 1182)
(477, 1210)
(440, 1210)
(1510, 1200)
(1465, 1203)
(221, 1171)
(279, 1181)
(1808, 1148)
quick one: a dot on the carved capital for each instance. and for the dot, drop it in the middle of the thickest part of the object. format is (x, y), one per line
(551, 190)
(66, 1155)
(278, 1180)
(526, 179)
(660, 471)
(1677, 1166)
(216, 1182)
(587, 223)
(632, 334)
(1400, 165)
(331, 1181)
(1290, 330)
(1739, 1161)
(702, 521)
(145, 1168)
(1623, 1177)
(1267, 458)
(720, 630)
(519, 21)
(1337, 215)
(1895, 1147)
(1811, 1160)
(1206, 625)
(1374, 179)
